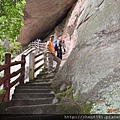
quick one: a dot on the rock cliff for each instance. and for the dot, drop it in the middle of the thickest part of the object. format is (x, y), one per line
(91, 31)
(93, 66)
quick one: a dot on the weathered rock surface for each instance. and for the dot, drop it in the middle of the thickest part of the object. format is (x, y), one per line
(68, 27)
(40, 18)
(93, 65)
(91, 32)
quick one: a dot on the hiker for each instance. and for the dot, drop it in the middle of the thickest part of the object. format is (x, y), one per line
(59, 47)
(51, 56)
(38, 40)
(63, 46)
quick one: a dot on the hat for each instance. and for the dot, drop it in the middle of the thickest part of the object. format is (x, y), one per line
(51, 36)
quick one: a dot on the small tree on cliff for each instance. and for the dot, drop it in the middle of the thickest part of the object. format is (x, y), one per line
(10, 21)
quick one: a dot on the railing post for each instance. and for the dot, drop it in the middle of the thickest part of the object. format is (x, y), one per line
(31, 66)
(38, 49)
(23, 69)
(7, 73)
(45, 60)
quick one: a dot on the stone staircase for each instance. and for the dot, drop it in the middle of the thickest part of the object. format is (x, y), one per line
(34, 98)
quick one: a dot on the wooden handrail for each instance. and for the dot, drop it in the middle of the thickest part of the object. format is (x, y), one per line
(16, 73)
(39, 60)
(15, 82)
(39, 67)
(3, 79)
(3, 67)
(41, 52)
(39, 55)
(6, 79)
(34, 61)
(29, 52)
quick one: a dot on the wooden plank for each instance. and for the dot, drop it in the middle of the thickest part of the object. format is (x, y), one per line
(7, 73)
(2, 98)
(39, 54)
(16, 63)
(23, 69)
(3, 67)
(39, 60)
(3, 79)
(16, 73)
(15, 82)
(39, 67)
(45, 60)
(29, 52)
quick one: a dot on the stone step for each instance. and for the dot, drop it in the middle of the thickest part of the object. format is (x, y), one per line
(33, 91)
(45, 79)
(33, 87)
(32, 96)
(39, 80)
(36, 101)
(42, 74)
(38, 84)
(44, 70)
(36, 109)
(47, 76)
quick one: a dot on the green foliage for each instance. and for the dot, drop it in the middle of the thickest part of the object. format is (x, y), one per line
(73, 105)
(2, 92)
(10, 23)
(11, 18)
(2, 53)
(68, 93)
(14, 47)
(86, 107)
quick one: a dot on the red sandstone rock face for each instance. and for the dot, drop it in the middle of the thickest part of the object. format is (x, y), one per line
(40, 18)
(68, 27)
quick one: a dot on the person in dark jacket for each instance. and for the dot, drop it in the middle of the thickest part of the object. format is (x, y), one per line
(59, 47)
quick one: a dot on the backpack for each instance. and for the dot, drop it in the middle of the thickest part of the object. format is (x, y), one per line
(55, 45)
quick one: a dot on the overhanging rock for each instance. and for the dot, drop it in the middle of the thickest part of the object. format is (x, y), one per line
(40, 18)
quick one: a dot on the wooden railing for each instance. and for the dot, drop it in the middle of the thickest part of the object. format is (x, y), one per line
(35, 58)
(36, 63)
(5, 80)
